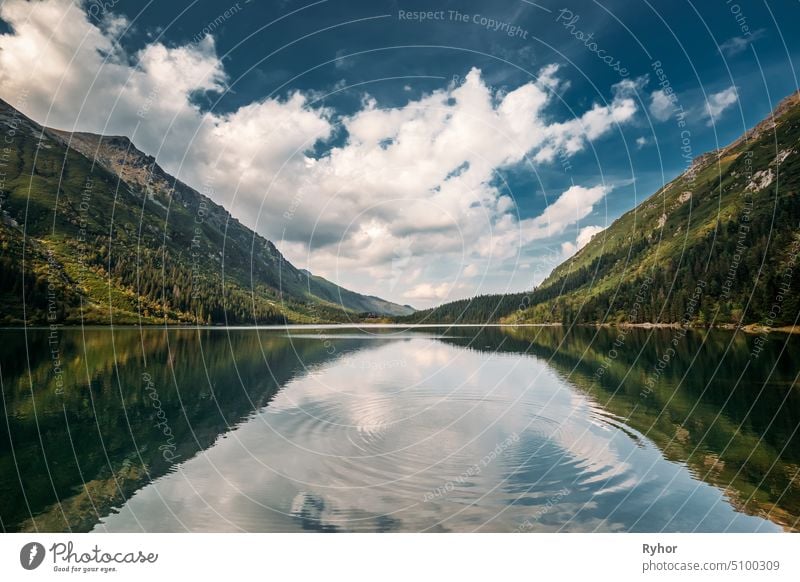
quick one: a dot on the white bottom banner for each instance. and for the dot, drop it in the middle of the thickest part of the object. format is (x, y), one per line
(357, 557)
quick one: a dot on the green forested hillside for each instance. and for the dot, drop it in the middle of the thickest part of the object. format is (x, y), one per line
(718, 245)
(480, 309)
(92, 230)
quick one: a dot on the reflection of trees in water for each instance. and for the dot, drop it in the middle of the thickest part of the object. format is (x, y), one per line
(735, 430)
(202, 382)
(735, 436)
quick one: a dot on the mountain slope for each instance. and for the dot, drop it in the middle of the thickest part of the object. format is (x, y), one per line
(329, 291)
(93, 229)
(717, 245)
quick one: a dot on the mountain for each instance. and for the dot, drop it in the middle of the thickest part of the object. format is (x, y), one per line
(718, 245)
(94, 230)
(365, 304)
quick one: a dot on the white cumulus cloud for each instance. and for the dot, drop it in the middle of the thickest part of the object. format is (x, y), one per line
(585, 235)
(396, 209)
(717, 103)
(738, 44)
(662, 104)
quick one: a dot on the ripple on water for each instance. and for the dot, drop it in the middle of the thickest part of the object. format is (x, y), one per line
(426, 447)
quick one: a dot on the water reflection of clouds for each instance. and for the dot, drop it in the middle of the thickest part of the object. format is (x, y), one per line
(354, 446)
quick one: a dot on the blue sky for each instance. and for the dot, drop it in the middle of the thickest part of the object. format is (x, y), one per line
(276, 107)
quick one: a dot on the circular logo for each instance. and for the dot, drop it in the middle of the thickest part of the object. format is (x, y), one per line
(31, 555)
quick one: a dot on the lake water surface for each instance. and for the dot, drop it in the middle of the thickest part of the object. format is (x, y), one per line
(382, 429)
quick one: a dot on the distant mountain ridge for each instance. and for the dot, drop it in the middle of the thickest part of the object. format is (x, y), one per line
(93, 229)
(717, 245)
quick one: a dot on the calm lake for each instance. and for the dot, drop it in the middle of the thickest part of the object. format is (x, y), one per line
(382, 429)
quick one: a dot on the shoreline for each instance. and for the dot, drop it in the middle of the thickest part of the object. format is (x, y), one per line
(752, 328)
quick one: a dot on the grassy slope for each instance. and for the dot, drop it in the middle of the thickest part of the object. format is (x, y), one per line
(686, 233)
(120, 240)
(691, 211)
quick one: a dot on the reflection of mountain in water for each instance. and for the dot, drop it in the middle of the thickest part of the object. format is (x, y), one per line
(731, 418)
(71, 459)
(131, 402)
